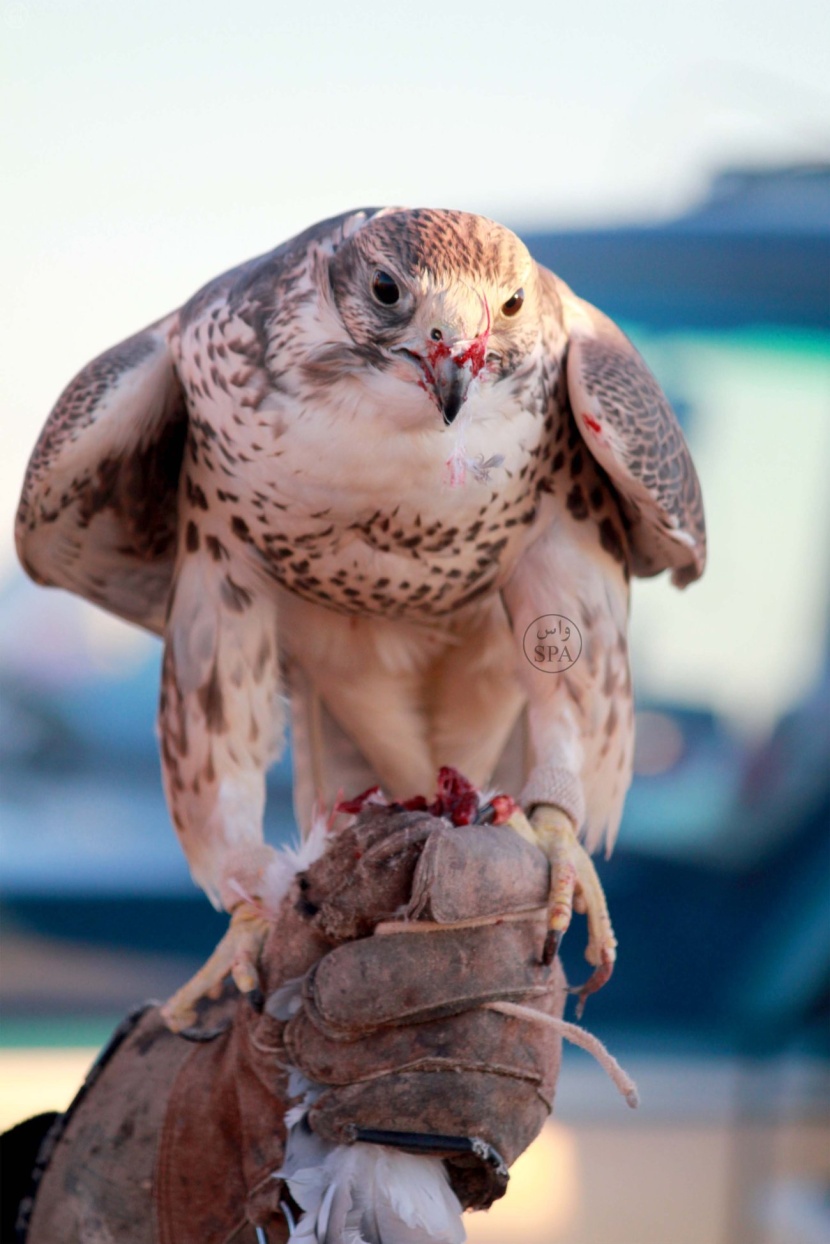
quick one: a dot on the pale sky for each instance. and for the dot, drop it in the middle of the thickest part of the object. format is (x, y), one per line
(146, 147)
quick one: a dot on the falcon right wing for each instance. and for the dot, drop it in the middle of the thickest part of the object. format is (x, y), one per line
(98, 513)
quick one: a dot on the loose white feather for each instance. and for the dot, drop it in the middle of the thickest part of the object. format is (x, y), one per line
(368, 1194)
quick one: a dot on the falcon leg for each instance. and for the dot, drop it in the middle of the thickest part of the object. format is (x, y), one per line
(237, 955)
(220, 725)
(575, 886)
(580, 714)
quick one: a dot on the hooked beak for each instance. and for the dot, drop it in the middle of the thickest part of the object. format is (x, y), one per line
(448, 369)
(451, 381)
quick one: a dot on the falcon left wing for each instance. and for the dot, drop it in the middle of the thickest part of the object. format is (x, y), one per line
(632, 432)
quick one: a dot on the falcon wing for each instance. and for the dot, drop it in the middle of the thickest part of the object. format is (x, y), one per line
(631, 430)
(98, 513)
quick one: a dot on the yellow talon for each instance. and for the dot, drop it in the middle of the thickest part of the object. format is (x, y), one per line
(237, 955)
(575, 886)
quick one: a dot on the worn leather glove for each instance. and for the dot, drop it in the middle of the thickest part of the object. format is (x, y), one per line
(394, 1025)
(373, 1023)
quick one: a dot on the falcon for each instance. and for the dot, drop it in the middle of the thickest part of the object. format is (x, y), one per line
(359, 482)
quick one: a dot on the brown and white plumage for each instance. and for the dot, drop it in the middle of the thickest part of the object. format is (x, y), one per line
(265, 478)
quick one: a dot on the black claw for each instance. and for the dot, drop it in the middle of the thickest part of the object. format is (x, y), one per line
(551, 946)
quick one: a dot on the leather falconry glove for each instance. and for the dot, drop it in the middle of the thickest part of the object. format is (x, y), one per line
(379, 1031)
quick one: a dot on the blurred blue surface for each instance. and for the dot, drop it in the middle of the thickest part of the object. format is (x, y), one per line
(756, 251)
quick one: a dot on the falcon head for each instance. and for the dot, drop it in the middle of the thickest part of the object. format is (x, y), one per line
(441, 300)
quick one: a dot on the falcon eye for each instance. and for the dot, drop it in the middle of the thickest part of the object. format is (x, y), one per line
(514, 305)
(385, 288)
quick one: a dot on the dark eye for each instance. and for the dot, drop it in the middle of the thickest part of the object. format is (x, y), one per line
(514, 305)
(385, 288)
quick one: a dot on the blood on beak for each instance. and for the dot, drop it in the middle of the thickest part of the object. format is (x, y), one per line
(449, 365)
(450, 384)
(452, 368)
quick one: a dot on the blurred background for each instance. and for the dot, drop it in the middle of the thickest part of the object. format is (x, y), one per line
(673, 165)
